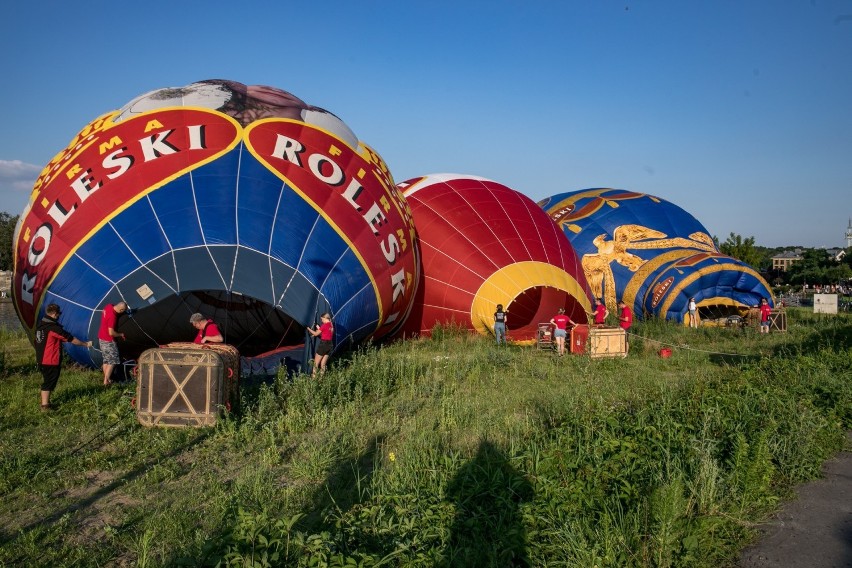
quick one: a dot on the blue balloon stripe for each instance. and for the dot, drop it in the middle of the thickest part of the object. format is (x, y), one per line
(175, 210)
(215, 193)
(138, 227)
(107, 253)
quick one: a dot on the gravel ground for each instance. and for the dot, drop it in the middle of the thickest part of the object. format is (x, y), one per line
(814, 530)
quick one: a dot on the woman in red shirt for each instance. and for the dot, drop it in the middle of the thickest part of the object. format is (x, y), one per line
(326, 334)
(765, 312)
(560, 321)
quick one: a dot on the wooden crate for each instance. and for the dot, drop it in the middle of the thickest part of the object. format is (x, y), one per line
(777, 319)
(599, 341)
(231, 359)
(179, 387)
(607, 342)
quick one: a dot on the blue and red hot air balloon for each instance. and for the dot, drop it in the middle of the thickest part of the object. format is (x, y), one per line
(241, 202)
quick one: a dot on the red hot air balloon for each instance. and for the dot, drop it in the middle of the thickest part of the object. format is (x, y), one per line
(484, 244)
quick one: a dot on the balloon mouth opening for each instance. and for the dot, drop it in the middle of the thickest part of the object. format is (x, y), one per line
(721, 311)
(254, 327)
(538, 305)
(717, 311)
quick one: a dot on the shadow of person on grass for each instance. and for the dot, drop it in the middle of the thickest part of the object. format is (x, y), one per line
(488, 529)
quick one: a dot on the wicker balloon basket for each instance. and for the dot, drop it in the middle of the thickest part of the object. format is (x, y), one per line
(187, 384)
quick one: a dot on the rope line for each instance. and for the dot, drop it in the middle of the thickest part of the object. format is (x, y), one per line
(687, 347)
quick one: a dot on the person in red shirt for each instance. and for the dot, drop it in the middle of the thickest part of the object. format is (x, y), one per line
(601, 313)
(765, 312)
(625, 316)
(107, 336)
(49, 337)
(625, 320)
(326, 335)
(561, 322)
(208, 331)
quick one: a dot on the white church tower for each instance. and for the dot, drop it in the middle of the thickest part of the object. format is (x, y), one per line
(849, 234)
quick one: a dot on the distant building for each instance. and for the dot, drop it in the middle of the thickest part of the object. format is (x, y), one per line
(836, 254)
(786, 259)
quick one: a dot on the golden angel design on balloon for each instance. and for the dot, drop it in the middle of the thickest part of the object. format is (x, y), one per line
(598, 266)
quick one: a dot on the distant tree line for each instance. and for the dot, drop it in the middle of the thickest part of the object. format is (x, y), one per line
(816, 266)
(745, 250)
(7, 231)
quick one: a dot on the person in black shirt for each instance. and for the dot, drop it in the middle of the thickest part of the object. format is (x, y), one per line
(49, 337)
(500, 321)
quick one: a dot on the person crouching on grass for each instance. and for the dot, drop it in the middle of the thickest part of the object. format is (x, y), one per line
(325, 333)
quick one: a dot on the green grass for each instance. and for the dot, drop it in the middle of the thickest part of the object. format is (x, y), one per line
(448, 451)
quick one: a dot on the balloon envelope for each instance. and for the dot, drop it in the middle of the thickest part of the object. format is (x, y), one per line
(653, 254)
(485, 244)
(240, 202)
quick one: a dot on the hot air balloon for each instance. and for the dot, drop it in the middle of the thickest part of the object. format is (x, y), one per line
(240, 202)
(485, 244)
(653, 254)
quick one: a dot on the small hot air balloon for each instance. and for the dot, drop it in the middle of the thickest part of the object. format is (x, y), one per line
(485, 244)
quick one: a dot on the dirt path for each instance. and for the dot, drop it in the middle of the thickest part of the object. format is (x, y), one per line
(814, 530)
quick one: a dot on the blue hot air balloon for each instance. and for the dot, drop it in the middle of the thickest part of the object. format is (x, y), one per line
(653, 254)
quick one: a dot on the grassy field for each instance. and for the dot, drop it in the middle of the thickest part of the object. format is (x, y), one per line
(441, 452)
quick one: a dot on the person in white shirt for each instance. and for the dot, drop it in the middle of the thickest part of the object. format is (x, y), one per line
(693, 313)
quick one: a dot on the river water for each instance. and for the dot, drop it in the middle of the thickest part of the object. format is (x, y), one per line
(8, 318)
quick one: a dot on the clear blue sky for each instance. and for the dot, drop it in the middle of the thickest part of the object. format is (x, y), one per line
(738, 111)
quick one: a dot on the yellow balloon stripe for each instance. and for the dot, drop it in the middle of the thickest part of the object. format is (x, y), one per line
(506, 284)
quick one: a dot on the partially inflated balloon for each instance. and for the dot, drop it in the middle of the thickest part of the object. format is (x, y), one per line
(484, 244)
(240, 202)
(653, 254)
